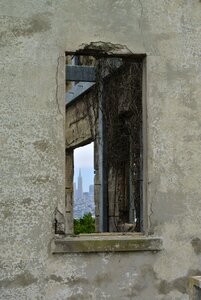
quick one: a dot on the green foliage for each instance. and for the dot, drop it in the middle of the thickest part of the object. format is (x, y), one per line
(85, 224)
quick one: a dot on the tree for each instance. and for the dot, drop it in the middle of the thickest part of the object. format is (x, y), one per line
(85, 224)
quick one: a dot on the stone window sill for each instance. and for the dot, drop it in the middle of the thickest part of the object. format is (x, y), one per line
(107, 242)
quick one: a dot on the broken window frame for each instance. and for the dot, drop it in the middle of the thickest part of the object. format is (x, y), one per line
(144, 214)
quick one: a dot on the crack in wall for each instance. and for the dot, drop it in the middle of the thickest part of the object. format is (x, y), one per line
(151, 213)
(57, 86)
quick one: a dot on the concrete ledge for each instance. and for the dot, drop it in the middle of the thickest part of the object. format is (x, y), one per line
(106, 243)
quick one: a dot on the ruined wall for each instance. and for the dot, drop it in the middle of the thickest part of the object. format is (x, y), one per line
(34, 36)
(122, 118)
(81, 118)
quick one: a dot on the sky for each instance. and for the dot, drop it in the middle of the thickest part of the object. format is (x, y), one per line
(84, 159)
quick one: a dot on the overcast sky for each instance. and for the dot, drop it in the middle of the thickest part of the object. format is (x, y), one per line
(84, 156)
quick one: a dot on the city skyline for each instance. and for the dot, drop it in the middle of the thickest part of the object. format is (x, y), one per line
(84, 160)
(83, 202)
(78, 184)
(87, 178)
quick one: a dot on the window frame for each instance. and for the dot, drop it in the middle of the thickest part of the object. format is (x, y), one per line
(143, 59)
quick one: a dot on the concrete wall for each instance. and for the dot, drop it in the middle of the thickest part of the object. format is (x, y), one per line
(81, 118)
(34, 36)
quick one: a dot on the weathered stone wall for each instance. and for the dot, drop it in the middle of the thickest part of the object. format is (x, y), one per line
(34, 36)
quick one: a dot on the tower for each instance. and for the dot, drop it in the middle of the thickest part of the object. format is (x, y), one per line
(74, 191)
(79, 189)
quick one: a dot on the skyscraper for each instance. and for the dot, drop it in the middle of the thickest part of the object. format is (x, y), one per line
(74, 191)
(79, 188)
(83, 202)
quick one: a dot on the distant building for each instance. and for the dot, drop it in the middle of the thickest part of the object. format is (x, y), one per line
(83, 201)
(74, 191)
(91, 189)
(79, 189)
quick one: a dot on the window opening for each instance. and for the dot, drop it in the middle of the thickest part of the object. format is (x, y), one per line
(83, 187)
(83, 190)
(104, 105)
